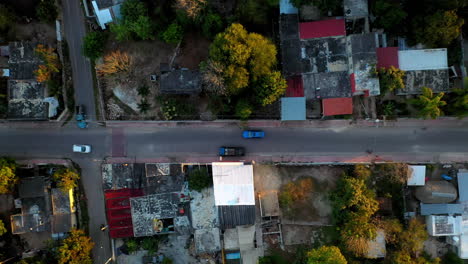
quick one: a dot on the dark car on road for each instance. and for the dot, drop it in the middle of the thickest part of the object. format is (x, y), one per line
(253, 134)
(231, 151)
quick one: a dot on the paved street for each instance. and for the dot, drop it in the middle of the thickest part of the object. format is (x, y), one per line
(200, 144)
(81, 67)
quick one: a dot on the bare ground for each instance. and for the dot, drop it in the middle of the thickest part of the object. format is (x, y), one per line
(37, 32)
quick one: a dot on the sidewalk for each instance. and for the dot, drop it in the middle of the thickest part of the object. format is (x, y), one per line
(403, 122)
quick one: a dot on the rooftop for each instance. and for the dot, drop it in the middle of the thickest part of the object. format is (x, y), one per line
(441, 209)
(232, 216)
(61, 203)
(293, 108)
(441, 225)
(327, 85)
(417, 175)
(425, 59)
(324, 55)
(26, 100)
(32, 187)
(295, 87)
(23, 60)
(108, 3)
(462, 178)
(337, 106)
(356, 8)
(207, 240)
(323, 28)
(387, 57)
(363, 61)
(233, 183)
(438, 80)
(22, 223)
(61, 223)
(181, 81)
(287, 8)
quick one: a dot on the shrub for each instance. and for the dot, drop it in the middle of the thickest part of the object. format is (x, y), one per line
(93, 44)
(326, 255)
(8, 177)
(151, 244)
(46, 11)
(66, 179)
(173, 34)
(144, 106)
(391, 79)
(3, 229)
(243, 110)
(211, 24)
(132, 245)
(362, 172)
(115, 62)
(295, 191)
(143, 90)
(199, 179)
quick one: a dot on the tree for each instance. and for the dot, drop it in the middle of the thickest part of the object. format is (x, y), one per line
(390, 15)
(76, 249)
(8, 178)
(199, 179)
(412, 239)
(66, 179)
(323, 5)
(429, 104)
(131, 10)
(135, 22)
(51, 63)
(46, 11)
(7, 17)
(93, 44)
(211, 24)
(173, 34)
(212, 77)
(393, 228)
(451, 258)
(459, 103)
(144, 106)
(438, 29)
(362, 171)
(391, 79)
(115, 62)
(3, 229)
(121, 30)
(191, 7)
(143, 28)
(393, 172)
(326, 255)
(270, 88)
(243, 110)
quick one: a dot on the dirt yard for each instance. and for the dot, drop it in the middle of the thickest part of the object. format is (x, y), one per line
(36, 32)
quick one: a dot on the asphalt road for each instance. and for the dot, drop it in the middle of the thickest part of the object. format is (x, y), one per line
(81, 66)
(180, 143)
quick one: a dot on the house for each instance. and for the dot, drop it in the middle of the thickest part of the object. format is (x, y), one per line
(444, 225)
(416, 175)
(181, 81)
(107, 11)
(293, 108)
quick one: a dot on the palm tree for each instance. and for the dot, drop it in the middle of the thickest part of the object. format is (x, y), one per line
(429, 104)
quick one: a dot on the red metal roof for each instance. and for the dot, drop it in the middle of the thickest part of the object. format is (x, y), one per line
(353, 82)
(119, 215)
(337, 106)
(295, 87)
(323, 28)
(387, 57)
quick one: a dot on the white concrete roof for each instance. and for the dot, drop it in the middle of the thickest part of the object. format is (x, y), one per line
(103, 16)
(233, 183)
(425, 59)
(417, 175)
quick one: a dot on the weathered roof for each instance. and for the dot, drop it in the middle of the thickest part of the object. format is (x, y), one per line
(32, 187)
(324, 55)
(417, 175)
(295, 87)
(232, 216)
(387, 57)
(293, 108)
(23, 223)
(442, 225)
(337, 106)
(61, 223)
(23, 60)
(441, 209)
(146, 209)
(327, 85)
(60, 201)
(291, 57)
(356, 8)
(180, 82)
(286, 7)
(323, 28)
(363, 60)
(462, 178)
(207, 240)
(437, 80)
(233, 183)
(26, 100)
(425, 59)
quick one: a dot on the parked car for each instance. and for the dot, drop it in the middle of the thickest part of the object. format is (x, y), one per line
(253, 134)
(81, 148)
(80, 117)
(231, 151)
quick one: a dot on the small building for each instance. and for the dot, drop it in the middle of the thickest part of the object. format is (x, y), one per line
(63, 211)
(441, 209)
(286, 7)
(387, 57)
(182, 81)
(337, 106)
(293, 108)
(425, 59)
(444, 225)
(417, 175)
(355, 8)
(107, 11)
(239, 245)
(323, 28)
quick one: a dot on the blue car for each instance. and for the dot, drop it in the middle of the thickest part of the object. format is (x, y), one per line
(253, 134)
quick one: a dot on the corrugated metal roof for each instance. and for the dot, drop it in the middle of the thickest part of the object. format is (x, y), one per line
(293, 108)
(337, 106)
(287, 8)
(323, 28)
(426, 59)
(233, 183)
(237, 215)
(295, 87)
(441, 209)
(462, 186)
(387, 57)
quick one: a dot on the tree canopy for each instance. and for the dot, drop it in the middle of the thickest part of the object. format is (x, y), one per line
(325, 255)
(135, 22)
(51, 63)
(94, 44)
(438, 29)
(46, 11)
(389, 15)
(8, 178)
(76, 249)
(115, 62)
(391, 79)
(3, 229)
(66, 179)
(429, 104)
(199, 179)
(7, 17)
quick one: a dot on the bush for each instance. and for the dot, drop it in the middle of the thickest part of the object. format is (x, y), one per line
(295, 191)
(144, 106)
(199, 179)
(3, 229)
(391, 79)
(93, 44)
(132, 245)
(211, 24)
(66, 179)
(243, 110)
(143, 90)
(173, 34)
(362, 172)
(46, 11)
(54, 87)
(151, 244)
(8, 177)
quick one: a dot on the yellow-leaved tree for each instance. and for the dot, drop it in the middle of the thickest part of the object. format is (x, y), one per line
(76, 248)
(115, 62)
(8, 178)
(66, 179)
(51, 63)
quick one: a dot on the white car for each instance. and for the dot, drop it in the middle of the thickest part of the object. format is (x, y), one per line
(82, 148)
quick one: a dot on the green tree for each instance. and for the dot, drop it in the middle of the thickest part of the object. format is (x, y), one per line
(7, 17)
(270, 88)
(94, 44)
(362, 172)
(389, 15)
(131, 10)
(173, 34)
(46, 11)
(132, 245)
(75, 249)
(143, 28)
(243, 110)
(144, 106)
(8, 178)
(459, 103)
(412, 239)
(135, 22)
(199, 179)
(391, 79)
(326, 255)
(438, 29)
(121, 30)
(428, 104)
(3, 229)
(211, 24)
(66, 179)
